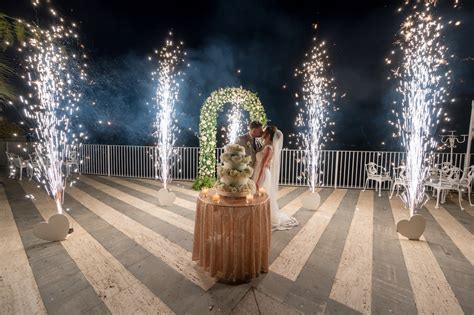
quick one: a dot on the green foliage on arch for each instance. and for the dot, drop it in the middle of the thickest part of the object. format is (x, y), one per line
(208, 122)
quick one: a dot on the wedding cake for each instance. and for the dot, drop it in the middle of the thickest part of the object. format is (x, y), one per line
(234, 172)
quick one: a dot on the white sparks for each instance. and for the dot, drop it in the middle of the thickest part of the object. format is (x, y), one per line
(53, 77)
(167, 89)
(422, 75)
(318, 95)
(235, 119)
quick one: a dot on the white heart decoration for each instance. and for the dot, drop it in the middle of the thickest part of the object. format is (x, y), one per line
(166, 197)
(413, 228)
(56, 229)
(311, 201)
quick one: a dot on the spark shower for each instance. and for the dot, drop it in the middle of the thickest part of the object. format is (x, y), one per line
(55, 66)
(422, 75)
(318, 94)
(166, 76)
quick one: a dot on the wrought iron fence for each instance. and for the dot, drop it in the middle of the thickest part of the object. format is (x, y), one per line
(343, 169)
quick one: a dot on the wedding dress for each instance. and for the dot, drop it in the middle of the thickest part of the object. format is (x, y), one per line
(269, 181)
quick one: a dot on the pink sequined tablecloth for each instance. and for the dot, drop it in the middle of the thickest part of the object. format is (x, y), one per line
(232, 238)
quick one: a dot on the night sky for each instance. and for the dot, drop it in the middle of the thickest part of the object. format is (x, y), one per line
(266, 40)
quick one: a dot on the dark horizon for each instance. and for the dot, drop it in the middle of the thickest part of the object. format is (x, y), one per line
(266, 41)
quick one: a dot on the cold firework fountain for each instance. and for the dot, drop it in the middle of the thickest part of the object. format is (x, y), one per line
(167, 78)
(55, 63)
(318, 94)
(422, 74)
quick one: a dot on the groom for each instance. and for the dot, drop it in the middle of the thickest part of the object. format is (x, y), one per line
(250, 141)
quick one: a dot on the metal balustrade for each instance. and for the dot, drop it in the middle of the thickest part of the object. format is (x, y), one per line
(339, 169)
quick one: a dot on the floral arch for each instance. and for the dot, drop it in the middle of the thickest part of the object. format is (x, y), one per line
(208, 122)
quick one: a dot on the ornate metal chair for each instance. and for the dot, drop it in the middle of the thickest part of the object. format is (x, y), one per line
(466, 181)
(378, 174)
(449, 179)
(399, 179)
(16, 162)
(32, 164)
(11, 168)
(71, 161)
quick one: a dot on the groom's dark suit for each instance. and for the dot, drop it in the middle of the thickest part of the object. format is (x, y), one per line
(251, 145)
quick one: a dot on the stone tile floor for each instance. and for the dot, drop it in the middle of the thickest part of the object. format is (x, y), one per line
(127, 256)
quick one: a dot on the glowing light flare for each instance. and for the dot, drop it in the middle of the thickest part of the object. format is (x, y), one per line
(236, 121)
(422, 75)
(166, 76)
(54, 71)
(318, 96)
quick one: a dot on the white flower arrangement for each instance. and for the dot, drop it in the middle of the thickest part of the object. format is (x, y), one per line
(235, 154)
(236, 158)
(244, 188)
(225, 157)
(235, 173)
(234, 148)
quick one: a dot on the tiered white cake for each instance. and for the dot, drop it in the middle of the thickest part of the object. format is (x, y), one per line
(234, 173)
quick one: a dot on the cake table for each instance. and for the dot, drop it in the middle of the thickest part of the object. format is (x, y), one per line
(232, 237)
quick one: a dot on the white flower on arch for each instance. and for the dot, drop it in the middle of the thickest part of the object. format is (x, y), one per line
(208, 121)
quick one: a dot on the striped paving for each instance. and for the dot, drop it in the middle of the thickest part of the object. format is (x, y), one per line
(153, 272)
(129, 255)
(118, 289)
(391, 289)
(61, 284)
(353, 283)
(294, 256)
(465, 203)
(148, 207)
(431, 290)
(158, 225)
(285, 191)
(174, 255)
(464, 217)
(294, 205)
(315, 281)
(19, 293)
(190, 205)
(455, 266)
(462, 238)
(281, 240)
(172, 187)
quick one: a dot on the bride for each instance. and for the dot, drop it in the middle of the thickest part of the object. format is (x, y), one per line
(267, 173)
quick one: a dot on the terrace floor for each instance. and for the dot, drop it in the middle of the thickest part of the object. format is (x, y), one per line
(127, 255)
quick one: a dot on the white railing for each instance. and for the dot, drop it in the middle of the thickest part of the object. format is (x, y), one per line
(135, 161)
(343, 169)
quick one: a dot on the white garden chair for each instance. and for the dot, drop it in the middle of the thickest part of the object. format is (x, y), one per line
(16, 162)
(449, 179)
(72, 160)
(378, 174)
(466, 181)
(11, 168)
(32, 164)
(399, 179)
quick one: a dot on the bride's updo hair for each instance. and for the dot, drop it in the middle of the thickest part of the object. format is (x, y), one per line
(270, 130)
